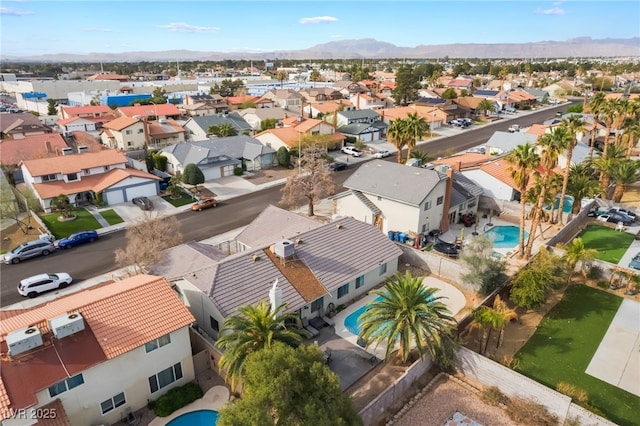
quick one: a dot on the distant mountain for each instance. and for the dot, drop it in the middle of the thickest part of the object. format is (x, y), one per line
(370, 48)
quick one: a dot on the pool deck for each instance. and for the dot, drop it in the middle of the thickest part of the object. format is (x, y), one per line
(214, 399)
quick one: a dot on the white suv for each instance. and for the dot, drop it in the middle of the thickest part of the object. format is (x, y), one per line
(33, 286)
(351, 151)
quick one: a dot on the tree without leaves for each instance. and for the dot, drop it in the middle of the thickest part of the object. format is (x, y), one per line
(287, 386)
(146, 239)
(10, 207)
(192, 175)
(484, 270)
(312, 181)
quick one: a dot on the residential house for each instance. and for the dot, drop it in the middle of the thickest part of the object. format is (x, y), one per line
(542, 96)
(364, 125)
(364, 101)
(504, 142)
(434, 117)
(95, 355)
(220, 156)
(324, 110)
(287, 99)
(445, 110)
(521, 99)
(349, 88)
(461, 83)
(296, 128)
(77, 124)
(165, 131)
(395, 197)
(14, 151)
(254, 116)
(320, 94)
(108, 77)
(197, 128)
(20, 125)
(124, 134)
(235, 103)
(485, 93)
(87, 111)
(203, 104)
(87, 176)
(311, 271)
(150, 112)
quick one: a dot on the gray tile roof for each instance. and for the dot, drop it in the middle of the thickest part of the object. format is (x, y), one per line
(354, 128)
(234, 119)
(232, 147)
(274, 224)
(398, 182)
(360, 113)
(507, 141)
(367, 202)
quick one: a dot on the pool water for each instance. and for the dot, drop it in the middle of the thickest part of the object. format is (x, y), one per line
(568, 204)
(505, 236)
(196, 418)
(352, 321)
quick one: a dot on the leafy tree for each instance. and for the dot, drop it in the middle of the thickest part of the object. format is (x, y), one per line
(227, 87)
(524, 160)
(222, 130)
(159, 161)
(174, 187)
(605, 164)
(51, 107)
(159, 96)
(407, 85)
(574, 124)
(312, 181)
(577, 108)
(192, 175)
(422, 156)
(283, 156)
(62, 204)
(287, 386)
(493, 318)
(576, 252)
(315, 77)
(267, 123)
(484, 271)
(146, 238)
(530, 287)
(254, 328)
(449, 93)
(410, 314)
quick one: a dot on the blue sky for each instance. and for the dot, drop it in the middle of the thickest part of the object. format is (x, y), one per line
(44, 27)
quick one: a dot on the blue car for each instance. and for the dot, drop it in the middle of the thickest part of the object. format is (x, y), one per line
(77, 239)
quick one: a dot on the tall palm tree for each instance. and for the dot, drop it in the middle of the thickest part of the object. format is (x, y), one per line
(485, 106)
(416, 127)
(576, 252)
(631, 134)
(483, 321)
(574, 124)
(582, 184)
(595, 107)
(281, 76)
(397, 134)
(624, 172)
(551, 145)
(611, 110)
(410, 314)
(524, 160)
(604, 163)
(256, 327)
(315, 77)
(503, 314)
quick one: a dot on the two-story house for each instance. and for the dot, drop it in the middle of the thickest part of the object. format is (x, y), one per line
(95, 355)
(203, 104)
(85, 177)
(287, 99)
(365, 125)
(124, 133)
(320, 94)
(20, 125)
(365, 101)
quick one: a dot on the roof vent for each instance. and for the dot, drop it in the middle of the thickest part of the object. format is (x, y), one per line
(67, 151)
(255, 257)
(338, 226)
(82, 148)
(298, 241)
(22, 340)
(285, 249)
(66, 324)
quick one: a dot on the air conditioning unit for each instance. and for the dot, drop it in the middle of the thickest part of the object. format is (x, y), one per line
(22, 340)
(66, 325)
(285, 248)
(67, 134)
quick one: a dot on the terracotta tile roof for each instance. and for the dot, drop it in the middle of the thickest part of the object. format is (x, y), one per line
(60, 419)
(66, 121)
(466, 160)
(119, 317)
(468, 101)
(120, 123)
(537, 129)
(86, 110)
(237, 100)
(288, 135)
(74, 163)
(13, 151)
(88, 140)
(501, 170)
(299, 276)
(149, 110)
(169, 128)
(96, 183)
(108, 77)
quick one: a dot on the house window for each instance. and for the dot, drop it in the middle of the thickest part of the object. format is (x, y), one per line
(66, 385)
(128, 132)
(157, 343)
(72, 177)
(439, 200)
(165, 378)
(343, 291)
(427, 205)
(360, 281)
(317, 304)
(129, 143)
(383, 269)
(471, 203)
(111, 403)
(48, 178)
(215, 325)
(379, 198)
(140, 130)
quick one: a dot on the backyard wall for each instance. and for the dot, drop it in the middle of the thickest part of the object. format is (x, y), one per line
(395, 392)
(438, 265)
(572, 228)
(511, 383)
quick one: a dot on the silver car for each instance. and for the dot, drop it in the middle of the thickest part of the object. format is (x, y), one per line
(29, 249)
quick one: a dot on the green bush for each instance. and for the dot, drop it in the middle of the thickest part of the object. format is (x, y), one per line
(176, 398)
(238, 171)
(594, 272)
(283, 157)
(603, 284)
(360, 145)
(159, 162)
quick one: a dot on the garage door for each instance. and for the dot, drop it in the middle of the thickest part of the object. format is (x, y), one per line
(211, 173)
(146, 190)
(115, 196)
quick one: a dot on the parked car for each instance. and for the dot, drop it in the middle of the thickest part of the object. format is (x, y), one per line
(29, 249)
(382, 154)
(77, 239)
(514, 128)
(37, 284)
(351, 151)
(615, 218)
(204, 203)
(635, 262)
(478, 150)
(337, 166)
(626, 212)
(143, 202)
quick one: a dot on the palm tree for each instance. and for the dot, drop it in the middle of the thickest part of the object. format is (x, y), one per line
(610, 111)
(551, 145)
(524, 160)
(409, 313)
(502, 316)
(604, 164)
(595, 107)
(624, 172)
(281, 76)
(582, 184)
(483, 320)
(576, 252)
(631, 134)
(485, 106)
(574, 124)
(256, 327)
(397, 134)
(416, 127)
(314, 77)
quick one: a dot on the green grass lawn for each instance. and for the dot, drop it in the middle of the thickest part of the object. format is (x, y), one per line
(83, 222)
(111, 216)
(611, 244)
(183, 200)
(564, 343)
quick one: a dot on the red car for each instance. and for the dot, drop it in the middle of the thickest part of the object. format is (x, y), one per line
(204, 203)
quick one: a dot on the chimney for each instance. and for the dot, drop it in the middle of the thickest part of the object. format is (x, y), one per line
(444, 223)
(275, 296)
(47, 145)
(458, 165)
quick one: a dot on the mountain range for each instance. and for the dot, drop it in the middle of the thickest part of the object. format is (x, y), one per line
(581, 47)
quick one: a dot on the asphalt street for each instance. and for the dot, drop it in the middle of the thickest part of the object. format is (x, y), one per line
(98, 258)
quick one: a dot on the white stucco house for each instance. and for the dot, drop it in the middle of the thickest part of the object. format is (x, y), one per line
(95, 355)
(124, 133)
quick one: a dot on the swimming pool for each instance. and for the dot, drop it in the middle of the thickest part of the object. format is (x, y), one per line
(196, 418)
(505, 236)
(351, 322)
(567, 204)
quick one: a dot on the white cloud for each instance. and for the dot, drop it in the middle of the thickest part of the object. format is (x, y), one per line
(183, 27)
(12, 11)
(98, 30)
(318, 20)
(335, 36)
(552, 11)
